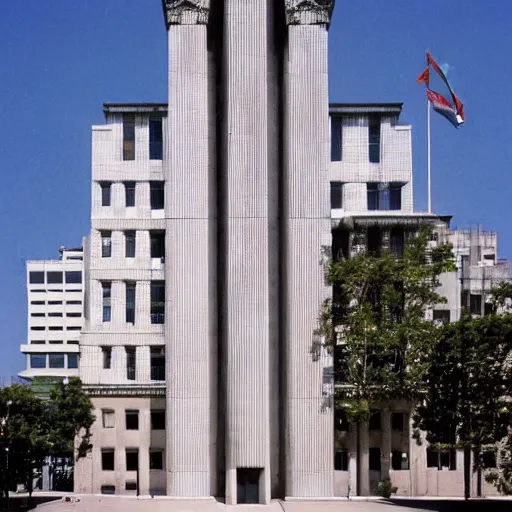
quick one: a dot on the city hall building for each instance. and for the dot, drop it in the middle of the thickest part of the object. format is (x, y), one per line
(211, 221)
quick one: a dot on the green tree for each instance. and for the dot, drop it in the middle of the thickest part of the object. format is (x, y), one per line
(33, 428)
(375, 326)
(464, 403)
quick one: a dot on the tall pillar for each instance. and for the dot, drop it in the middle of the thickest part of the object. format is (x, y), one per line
(190, 243)
(386, 443)
(250, 224)
(364, 458)
(306, 223)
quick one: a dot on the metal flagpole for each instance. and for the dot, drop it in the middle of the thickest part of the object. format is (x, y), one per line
(429, 191)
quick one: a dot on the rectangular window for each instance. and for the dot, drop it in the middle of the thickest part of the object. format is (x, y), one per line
(106, 244)
(107, 357)
(157, 244)
(107, 460)
(155, 138)
(130, 363)
(130, 303)
(106, 290)
(384, 196)
(72, 342)
(74, 302)
(108, 489)
(374, 423)
(372, 194)
(132, 460)
(54, 314)
(74, 277)
(432, 458)
(73, 315)
(36, 277)
(157, 308)
(38, 342)
(38, 328)
(130, 486)
(374, 459)
(399, 461)
(336, 139)
(54, 277)
(56, 360)
(442, 316)
(73, 327)
(56, 328)
(56, 342)
(158, 419)
(38, 314)
(397, 421)
(341, 460)
(129, 193)
(156, 459)
(37, 360)
(105, 193)
(475, 304)
(54, 302)
(37, 302)
(157, 363)
(73, 361)
(132, 419)
(336, 194)
(129, 137)
(156, 195)
(129, 244)
(395, 196)
(374, 139)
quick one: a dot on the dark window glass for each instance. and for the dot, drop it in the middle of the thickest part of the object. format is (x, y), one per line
(442, 315)
(341, 460)
(105, 193)
(158, 420)
(397, 421)
(74, 328)
(37, 328)
(374, 459)
(129, 242)
(432, 458)
(108, 489)
(36, 277)
(72, 360)
(156, 195)
(157, 363)
(38, 303)
(73, 315)
(489, 459)
(39, 314)
(395, 197)
(157, 302)
(74, 277)
(397, 461)
(107, 460)
(54, 277)
(374, 423)
(107, 357)
(129, 137)
(155, 138)
(54, 314)
(37, 360)
(374, 139)
(130, 363)
(130, 303)
(156, 460)
(475, 304)
(56, 342)
(106, 292)
(132, 420)
(129, 193)
(56, 360)
(336, 194)
(336, 139)
(132, 460)
(397, 242)
(72, 342)
(157, 244)
(74, 302)
(37, 342)
(54, 302)
(78, 290)
(56, 328)
(372, 193)
(106, 244)
(131, 486)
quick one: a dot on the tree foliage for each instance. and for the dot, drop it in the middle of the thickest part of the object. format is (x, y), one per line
(32, 429)
(375, 325)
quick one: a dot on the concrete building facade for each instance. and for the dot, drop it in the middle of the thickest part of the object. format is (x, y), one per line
(55, 294)
(211, 220)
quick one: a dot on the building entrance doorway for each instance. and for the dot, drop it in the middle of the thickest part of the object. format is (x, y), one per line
(248, 485)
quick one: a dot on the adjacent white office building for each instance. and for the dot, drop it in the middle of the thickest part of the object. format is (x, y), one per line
(55, 295)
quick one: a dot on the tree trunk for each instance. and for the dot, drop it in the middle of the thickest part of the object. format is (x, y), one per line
(467, 471)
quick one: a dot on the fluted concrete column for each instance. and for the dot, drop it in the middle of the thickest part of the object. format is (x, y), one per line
(364, 459)
(144, 446)
(190, 182)
(309, 422)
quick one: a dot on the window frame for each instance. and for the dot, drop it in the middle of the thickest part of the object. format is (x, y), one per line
(132, 419)
(32, 279)
(61, 357)
(130, 243)
(130, 188)
(336, 195)
(106, 193)
(109, 452)
(129, 128)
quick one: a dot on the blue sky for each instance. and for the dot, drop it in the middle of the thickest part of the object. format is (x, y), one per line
(61, 59)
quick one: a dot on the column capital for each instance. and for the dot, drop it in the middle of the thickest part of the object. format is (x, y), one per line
(308, 12)
(186, 12)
